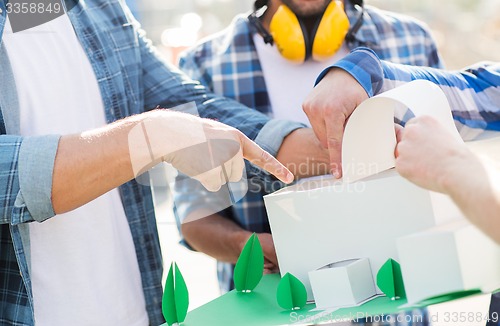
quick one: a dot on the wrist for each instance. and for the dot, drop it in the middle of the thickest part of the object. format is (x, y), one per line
(362, 64)
(461, 161)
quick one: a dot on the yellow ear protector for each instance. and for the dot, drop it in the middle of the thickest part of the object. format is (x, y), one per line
(293, 40)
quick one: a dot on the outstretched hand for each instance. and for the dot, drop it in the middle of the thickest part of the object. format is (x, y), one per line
(206, 150)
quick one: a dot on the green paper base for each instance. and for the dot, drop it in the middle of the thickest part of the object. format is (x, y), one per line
(260, 307)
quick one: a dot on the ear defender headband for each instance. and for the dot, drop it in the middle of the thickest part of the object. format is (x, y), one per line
(293, 40)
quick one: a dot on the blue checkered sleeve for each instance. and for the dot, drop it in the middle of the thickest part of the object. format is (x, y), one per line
(473, 93)
(26, 166)
(9, 174)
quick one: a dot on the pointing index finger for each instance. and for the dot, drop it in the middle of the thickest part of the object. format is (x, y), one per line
(256, 155)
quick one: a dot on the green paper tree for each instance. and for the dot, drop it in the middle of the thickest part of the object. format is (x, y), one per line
(175, 297)
(291, 293)
(250, 266)
(390, 280)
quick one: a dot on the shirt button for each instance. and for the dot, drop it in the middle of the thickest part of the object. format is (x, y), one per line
(1, 11)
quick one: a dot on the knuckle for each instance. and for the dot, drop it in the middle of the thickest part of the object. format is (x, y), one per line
(265, 156)
(333, 142)
(308, 106)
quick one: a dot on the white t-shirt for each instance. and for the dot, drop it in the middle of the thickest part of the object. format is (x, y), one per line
(289, 83)
(84, 268)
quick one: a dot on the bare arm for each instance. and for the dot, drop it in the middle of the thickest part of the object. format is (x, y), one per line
(94, 162)
(477, 193)
(302, 153)
(430, 157)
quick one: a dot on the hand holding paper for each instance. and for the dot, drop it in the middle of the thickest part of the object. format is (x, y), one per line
(339, 96)
(369, 138)
(321, 217)
(428, 154)
(328, 107)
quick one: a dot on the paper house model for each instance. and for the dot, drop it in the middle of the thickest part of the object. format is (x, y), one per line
(342, 284)
(321, 220)
(453, 257)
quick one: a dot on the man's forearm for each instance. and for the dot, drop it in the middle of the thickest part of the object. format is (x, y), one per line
(303, 155)
(94, 162)
(90, 164)
(216, 236)
(477, 192)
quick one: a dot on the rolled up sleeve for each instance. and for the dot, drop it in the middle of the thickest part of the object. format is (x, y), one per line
(273, 133)
(36, 166)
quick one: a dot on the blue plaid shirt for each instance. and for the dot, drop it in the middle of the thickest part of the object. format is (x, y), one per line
(132, 79)
(473, 93)
(228, 64)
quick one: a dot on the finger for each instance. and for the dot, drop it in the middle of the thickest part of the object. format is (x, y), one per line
(268, 261)
(235, 167)
(321, 133)
(212, 180)
(399, 137)
(271, 256)
(334, 135)
(412, 121)
(318, 125)
(399, 132)
(264, 160)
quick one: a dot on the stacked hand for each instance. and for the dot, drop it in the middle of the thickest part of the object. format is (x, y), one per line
(328, 107)
(206, 150)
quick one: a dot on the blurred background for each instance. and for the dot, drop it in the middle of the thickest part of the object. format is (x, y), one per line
(466, 31)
